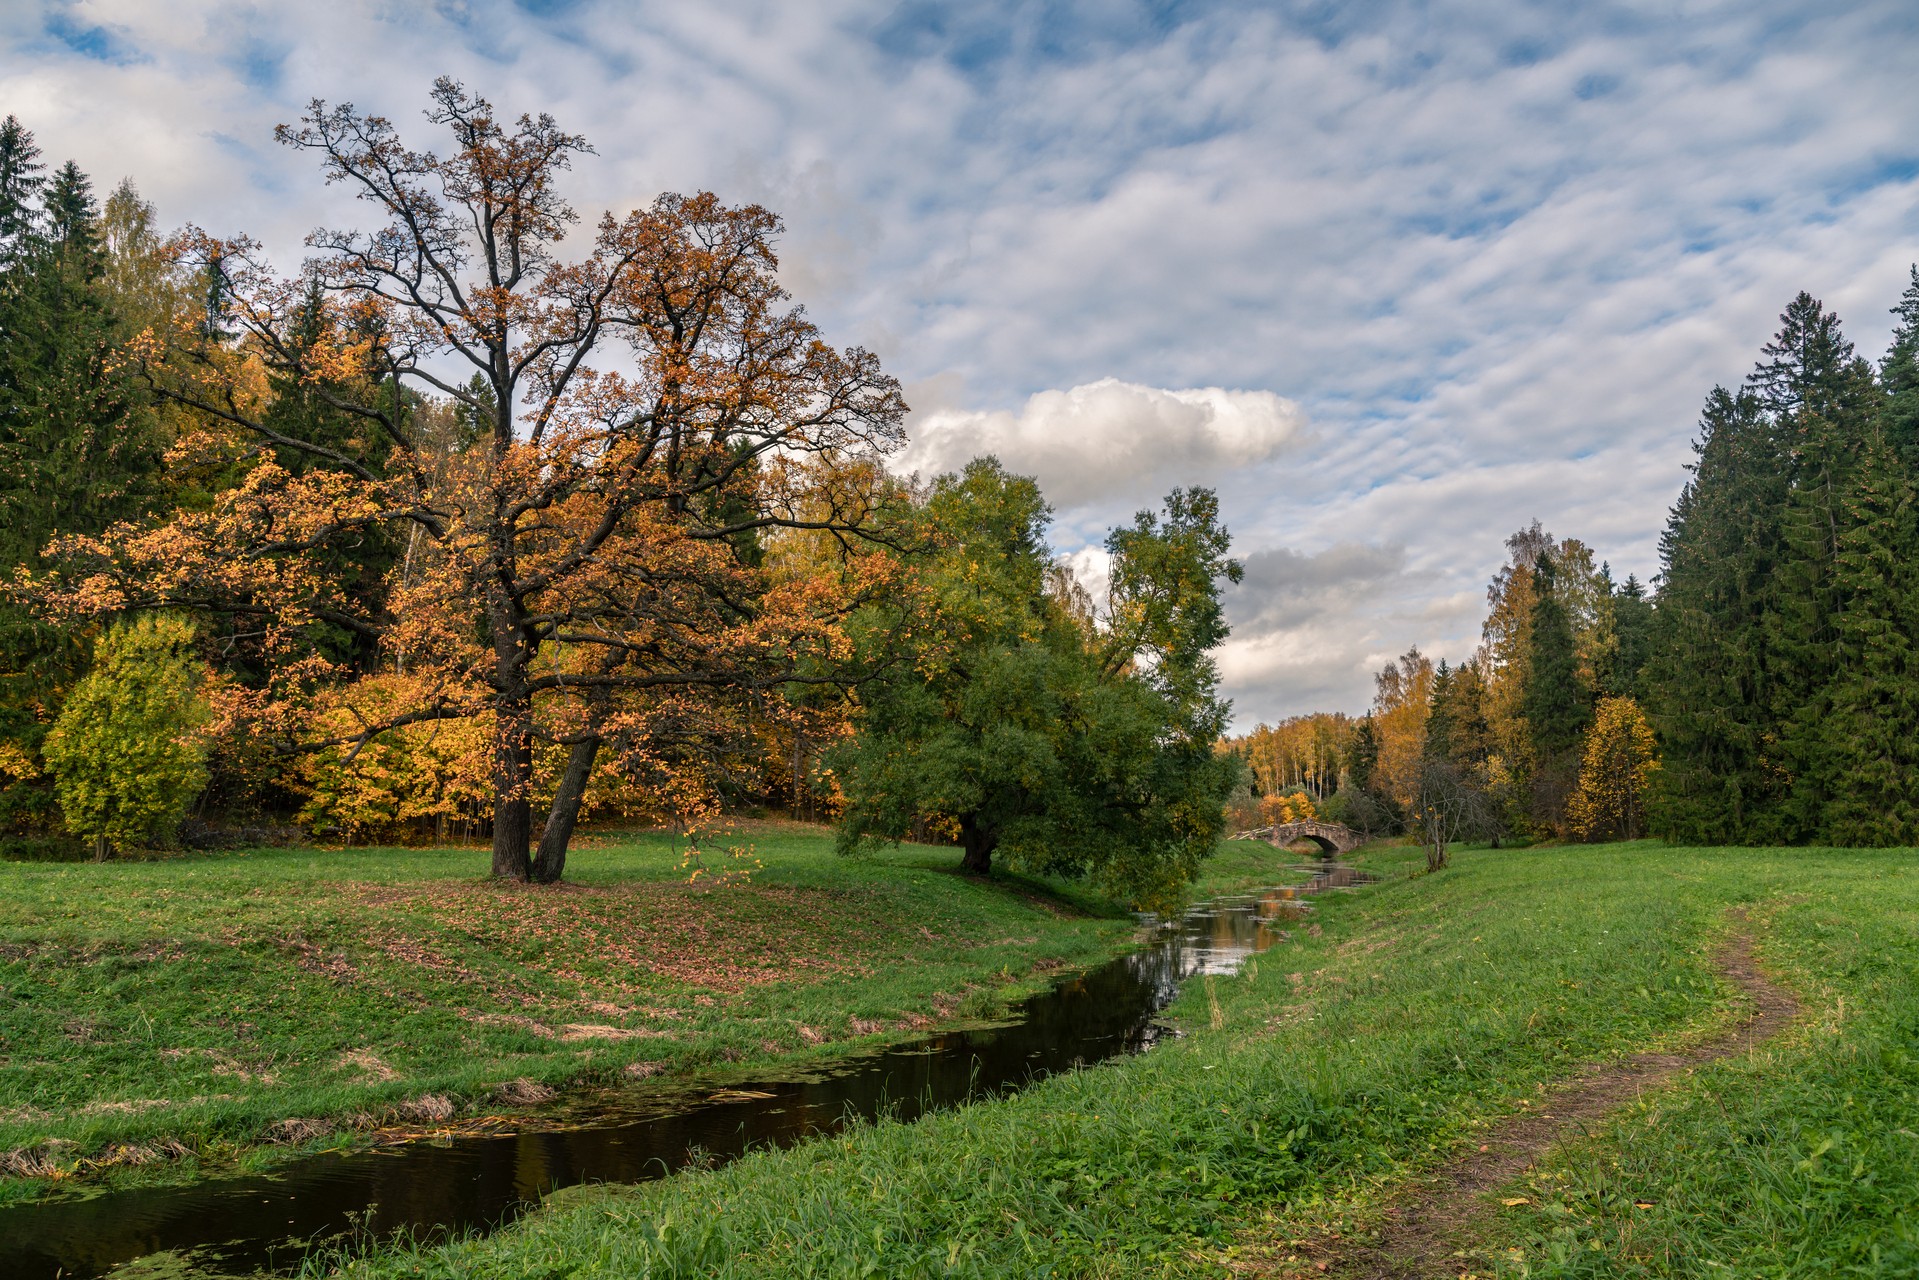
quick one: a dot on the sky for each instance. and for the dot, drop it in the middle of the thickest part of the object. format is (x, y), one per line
(1395, 278)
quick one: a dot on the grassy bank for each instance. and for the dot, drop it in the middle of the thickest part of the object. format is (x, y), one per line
(1310, 1088)
(192, 1007)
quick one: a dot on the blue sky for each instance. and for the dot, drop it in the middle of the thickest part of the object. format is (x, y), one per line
(1397, 278)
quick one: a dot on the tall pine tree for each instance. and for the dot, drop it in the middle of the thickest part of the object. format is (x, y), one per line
(1709, 680)
(1860, 744)
(1824, 402)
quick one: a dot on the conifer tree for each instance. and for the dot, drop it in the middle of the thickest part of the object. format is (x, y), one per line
(1440, 720)
(1861, 732)
(1899, 376)
(1556, 704)
(1709, 680)
(20, 182)
(1823, 401)
(74, 453)
(1633, 626)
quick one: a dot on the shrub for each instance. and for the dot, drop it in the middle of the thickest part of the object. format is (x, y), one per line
(127, 753)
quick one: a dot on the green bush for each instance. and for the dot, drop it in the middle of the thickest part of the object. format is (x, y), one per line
(127, 753)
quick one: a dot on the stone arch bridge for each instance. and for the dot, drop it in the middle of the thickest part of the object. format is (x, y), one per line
(1332, 838)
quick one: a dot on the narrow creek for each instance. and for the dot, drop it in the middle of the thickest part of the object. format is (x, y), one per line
(243, 1225)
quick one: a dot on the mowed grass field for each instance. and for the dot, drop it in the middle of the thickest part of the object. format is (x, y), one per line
(1313, 1092)
(181, 1014)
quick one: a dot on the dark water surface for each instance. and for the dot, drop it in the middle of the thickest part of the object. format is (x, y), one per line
(242, 1225)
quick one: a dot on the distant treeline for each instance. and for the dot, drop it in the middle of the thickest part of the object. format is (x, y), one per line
(1763, 691)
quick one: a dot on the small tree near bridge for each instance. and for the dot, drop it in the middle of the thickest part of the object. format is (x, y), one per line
(1449, 806)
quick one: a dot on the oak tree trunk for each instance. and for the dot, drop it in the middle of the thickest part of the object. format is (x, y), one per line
(512, 780)
(550, 863)
(977, 844)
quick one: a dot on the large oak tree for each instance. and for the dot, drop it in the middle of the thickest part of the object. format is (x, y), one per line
(639, 415)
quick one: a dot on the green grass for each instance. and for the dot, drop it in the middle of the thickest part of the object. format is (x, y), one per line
(1364, 1051)
(196, 1005)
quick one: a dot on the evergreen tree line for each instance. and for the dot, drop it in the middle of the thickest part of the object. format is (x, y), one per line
(1782, 682)
(1505, 743)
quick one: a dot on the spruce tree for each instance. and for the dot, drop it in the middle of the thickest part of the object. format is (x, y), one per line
(1824, 401)
(1556, 704)
(1862, 736)
(20, 182)
(1899, 376)
(1440, 720)
(1709, 680)
(1633, 628)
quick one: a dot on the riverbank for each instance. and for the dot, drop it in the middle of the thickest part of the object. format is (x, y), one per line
(217, 1012)
(1320, 1088)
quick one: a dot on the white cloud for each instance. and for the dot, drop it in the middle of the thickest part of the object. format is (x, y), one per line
(1112, 442)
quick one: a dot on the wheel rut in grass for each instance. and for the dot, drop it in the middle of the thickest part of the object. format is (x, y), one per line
(1418, 1240)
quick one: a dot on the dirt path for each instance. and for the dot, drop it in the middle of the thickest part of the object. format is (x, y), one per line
(1417, 1241)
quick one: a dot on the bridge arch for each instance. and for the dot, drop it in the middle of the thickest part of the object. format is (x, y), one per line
(1332, 838)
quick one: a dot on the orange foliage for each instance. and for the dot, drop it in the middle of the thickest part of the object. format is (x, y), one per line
(583, 576)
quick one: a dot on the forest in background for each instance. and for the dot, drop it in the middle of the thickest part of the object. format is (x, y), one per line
(450, 535)
(1763, 691)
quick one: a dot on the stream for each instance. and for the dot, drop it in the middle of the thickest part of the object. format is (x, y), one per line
(270, 1221)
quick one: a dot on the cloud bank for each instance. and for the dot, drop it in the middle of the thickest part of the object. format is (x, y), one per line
(1111, 442)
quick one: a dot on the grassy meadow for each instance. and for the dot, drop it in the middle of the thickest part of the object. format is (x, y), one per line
(176, 1013)
(1317, 1087)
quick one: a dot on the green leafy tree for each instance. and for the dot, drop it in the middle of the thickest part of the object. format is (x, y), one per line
(1054, 740)
(127, 754)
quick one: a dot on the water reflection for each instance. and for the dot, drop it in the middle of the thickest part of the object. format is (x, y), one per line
(240, 1225)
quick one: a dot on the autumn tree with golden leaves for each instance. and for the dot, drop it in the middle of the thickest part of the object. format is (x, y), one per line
(587, 573)
(1615, 774)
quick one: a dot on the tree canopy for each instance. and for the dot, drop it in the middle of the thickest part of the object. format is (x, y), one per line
(1054, 736)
